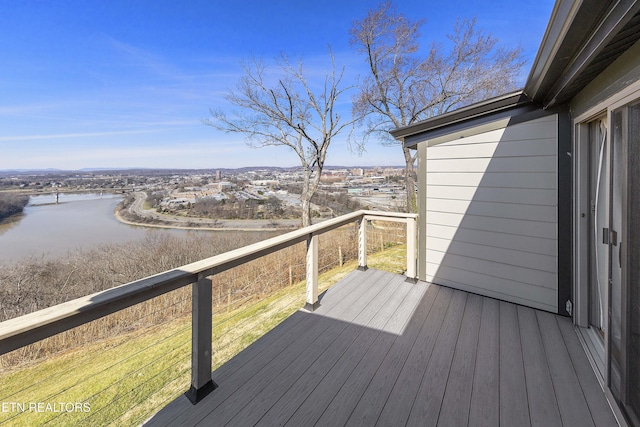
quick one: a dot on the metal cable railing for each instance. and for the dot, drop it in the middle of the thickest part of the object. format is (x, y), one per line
(207, 276)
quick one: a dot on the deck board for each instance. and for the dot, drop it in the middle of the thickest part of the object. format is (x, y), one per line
(484, 410)
(543, 405)
(288, 388)
(317, 387)
(571, 402)
(343, 399)
(289, 359)
(457, 398)
(428, 400)
(381, 351)
(514, 407)
(598, 407)
(367, 411)
(407, 383)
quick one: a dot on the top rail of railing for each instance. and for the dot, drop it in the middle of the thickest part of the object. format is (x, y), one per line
(33, 327)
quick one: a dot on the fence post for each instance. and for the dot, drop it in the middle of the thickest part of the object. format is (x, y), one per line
(290, 275)
(362, 244)
(312, 273)
(201, 328)
(411, 250)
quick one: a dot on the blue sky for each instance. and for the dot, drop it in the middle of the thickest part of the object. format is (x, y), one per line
(90, 84)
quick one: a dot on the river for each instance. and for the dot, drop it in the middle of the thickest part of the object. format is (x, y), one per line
(78, 221)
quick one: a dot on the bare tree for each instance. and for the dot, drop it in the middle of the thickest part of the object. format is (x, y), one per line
(288, 111)
(404, 87)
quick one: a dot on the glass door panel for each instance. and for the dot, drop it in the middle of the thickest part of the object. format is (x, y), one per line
(632, 255)
(598, 252)
(616, 329)
(624, 260)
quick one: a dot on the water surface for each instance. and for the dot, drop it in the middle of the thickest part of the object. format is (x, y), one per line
(79, 221)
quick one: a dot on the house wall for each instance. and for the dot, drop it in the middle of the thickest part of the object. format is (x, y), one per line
(491, 203)
(616, 78)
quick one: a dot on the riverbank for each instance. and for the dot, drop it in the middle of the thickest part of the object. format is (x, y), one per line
(136, 215)
(220, 225)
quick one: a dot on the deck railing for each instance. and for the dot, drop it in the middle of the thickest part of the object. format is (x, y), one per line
(31, 328)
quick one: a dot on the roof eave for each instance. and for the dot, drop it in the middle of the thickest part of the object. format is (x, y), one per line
(577, 33)
(501, 103)
(562, 17)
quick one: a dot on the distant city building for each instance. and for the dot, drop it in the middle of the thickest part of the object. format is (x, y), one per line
(224, 185)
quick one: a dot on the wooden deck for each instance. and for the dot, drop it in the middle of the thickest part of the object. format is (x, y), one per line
(380, 351)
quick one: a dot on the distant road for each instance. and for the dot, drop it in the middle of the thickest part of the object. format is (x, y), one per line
(175, 221)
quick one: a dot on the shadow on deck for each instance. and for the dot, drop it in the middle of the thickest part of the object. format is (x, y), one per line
(380, 351)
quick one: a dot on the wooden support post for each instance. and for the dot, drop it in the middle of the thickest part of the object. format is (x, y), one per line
(201, 328)
(290, 275)
(362, 245)
(312, 273)
(412, 274)
(340, 257)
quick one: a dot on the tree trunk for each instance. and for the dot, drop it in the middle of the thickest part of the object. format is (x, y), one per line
(306, 212)
(306, 197)
(410, 181)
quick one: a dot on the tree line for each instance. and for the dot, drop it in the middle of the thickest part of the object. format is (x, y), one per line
(338, 203)
(12, 204)
(234, 208)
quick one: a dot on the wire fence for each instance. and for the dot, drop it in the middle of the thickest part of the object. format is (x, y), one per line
(124, 367)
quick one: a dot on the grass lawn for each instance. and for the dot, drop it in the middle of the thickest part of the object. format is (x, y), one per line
(125, 379)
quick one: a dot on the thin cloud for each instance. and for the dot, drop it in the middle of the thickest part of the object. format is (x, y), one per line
(145, 59)
(77, 135)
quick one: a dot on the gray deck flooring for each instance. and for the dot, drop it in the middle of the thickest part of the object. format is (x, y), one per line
(380, 351)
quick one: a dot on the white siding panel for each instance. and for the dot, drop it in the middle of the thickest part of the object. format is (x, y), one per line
(507, 290)
(499, 164)
(546, 230)
(529, 212)
(515, 242)
(542, 262)
(495, 180)
(544, 147)
(491, 194)
(544, 128)
(495, 269)
(491, 213)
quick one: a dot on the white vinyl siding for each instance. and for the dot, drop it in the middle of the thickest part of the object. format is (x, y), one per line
(492, 213)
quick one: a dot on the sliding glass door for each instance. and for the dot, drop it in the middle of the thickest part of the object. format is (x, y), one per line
(624, 258)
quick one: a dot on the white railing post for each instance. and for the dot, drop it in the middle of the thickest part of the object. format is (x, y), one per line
(312, 273)
(362, 244)
(411, 250)
(201, 328)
